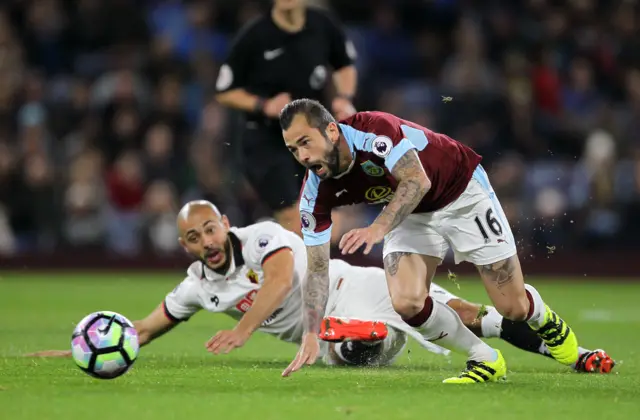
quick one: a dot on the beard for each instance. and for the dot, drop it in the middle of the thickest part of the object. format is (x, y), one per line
(333, 161)
(222, 269)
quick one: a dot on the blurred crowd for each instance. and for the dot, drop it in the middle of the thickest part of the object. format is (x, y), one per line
(108, 123)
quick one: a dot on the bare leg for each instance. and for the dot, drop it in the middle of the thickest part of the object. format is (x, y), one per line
(406, 274)
(504, 283)
(517, 301)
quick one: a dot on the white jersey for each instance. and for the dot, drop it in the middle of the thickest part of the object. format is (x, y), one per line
(234, 292)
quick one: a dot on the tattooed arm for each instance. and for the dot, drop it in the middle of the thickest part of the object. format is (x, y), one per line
(316, 287)
(315, 293)
(413, 184)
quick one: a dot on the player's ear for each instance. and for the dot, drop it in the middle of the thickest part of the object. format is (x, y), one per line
(333, 132)
(183, 244)
(225, 222)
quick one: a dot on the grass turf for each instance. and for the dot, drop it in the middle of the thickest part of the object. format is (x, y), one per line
(174, 378)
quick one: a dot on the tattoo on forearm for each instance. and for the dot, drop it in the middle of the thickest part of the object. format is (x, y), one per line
(410, 191)
(316, 287)
(501, 273)
(392, 260)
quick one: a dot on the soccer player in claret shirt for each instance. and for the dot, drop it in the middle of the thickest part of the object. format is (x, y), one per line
(436, 195)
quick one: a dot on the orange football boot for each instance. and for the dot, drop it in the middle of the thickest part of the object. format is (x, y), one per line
(337, 330)
(597, 361)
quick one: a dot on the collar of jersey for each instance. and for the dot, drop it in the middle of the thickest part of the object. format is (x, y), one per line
(353, 161)
(237, 261)
(356, 140)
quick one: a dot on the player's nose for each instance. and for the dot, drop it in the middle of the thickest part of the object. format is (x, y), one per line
(208, 243)
(303, 156)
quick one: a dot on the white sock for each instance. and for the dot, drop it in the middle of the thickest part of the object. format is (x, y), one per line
(445, 328)
(537, 316)
(491, 323)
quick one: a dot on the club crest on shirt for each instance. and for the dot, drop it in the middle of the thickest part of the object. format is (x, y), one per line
(252, 276)
(307, 221)
(382, 146)
(372, 169)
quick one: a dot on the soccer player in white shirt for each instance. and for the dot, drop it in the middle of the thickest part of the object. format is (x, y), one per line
(254, 275)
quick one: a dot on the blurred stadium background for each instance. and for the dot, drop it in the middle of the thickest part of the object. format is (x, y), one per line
(108, 123)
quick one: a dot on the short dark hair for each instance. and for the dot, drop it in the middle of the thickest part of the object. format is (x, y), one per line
(317, 115)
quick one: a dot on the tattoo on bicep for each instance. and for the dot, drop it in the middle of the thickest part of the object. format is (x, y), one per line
(501, 273)
(316, 287)
(391, 262)
(410, 191)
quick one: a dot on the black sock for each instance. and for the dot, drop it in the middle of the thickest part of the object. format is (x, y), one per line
(520, 335)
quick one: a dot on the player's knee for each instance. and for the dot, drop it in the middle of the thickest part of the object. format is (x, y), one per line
(408, 306)
(515, 310)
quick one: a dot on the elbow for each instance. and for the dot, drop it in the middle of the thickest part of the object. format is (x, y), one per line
(223, 98)
(425, 184)
(286, 287)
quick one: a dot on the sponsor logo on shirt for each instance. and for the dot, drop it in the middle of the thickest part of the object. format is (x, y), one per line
(378, 195)
(273, 54)
(272, 317)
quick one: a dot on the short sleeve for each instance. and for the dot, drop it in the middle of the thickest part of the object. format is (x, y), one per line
(342, 52)
(181, 303)
(393, 137)
(315, 212)
(269, 239)
(233, 73)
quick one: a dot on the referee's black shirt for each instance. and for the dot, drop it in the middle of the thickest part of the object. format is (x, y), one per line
(266, 60)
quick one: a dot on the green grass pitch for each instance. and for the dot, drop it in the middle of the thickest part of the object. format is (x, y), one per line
(175, 378)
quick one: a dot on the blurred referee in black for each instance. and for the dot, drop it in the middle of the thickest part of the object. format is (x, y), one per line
(290, 54)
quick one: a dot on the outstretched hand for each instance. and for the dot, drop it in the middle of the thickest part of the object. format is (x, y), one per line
(307, 355)
(225, 341)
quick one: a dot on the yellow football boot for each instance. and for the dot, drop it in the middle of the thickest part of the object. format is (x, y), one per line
(481, 372)
(559, 338)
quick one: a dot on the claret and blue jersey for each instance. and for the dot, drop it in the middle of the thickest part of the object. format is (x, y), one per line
(377, 141)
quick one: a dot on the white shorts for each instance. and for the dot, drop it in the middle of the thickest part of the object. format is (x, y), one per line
(474, 226)
(365, 296)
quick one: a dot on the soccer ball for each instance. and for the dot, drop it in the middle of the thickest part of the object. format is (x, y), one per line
(104, 345)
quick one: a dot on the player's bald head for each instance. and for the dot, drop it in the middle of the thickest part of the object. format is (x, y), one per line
(201, 209)
(204, 233)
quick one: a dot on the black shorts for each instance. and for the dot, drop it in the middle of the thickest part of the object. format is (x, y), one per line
(269, 167)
